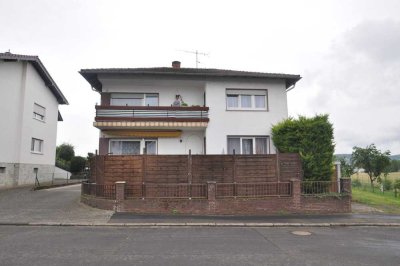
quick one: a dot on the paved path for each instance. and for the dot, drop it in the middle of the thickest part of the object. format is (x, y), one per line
(98, 246)
(22, 205)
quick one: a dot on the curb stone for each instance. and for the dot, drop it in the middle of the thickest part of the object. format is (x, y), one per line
(211, 224)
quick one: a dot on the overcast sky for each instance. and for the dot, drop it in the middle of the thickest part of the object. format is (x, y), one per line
(348, 53)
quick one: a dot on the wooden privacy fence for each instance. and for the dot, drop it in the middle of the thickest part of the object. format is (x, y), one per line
(195, 169)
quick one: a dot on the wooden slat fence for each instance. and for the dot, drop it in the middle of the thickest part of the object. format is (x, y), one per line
(164, 169)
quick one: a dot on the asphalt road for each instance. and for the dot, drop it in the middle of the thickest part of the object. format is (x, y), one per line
(48, 245)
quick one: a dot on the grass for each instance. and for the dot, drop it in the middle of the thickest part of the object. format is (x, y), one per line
(364, 178)
(385, 201)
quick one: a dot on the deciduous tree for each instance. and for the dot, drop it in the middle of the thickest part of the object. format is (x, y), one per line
(373, 161)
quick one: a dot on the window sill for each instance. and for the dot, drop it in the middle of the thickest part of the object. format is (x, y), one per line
(37, 153)
(40, 120)
(247, 109)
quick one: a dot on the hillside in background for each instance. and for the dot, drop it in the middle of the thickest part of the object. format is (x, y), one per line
(348, 156)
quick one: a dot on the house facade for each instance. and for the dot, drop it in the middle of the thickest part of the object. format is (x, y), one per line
(172, 110)
(29, 100)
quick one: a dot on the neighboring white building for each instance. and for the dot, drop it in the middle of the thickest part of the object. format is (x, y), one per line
(227, 110)
(29, 100)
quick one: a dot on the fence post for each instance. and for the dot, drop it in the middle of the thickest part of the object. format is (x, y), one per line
(234, 174)
(190, 173)
(296, 193)
(338, 176)
(278, 167)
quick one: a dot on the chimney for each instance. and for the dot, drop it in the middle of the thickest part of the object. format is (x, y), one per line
(176, 64)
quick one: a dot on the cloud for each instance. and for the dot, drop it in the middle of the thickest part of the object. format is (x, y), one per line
(358, 84)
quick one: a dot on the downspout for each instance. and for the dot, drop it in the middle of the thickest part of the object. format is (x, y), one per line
(290, 88)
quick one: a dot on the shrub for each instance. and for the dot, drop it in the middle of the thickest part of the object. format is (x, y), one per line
(396, 184)
(60, 163)
(312, 138)
(386, 184)
(78, 164)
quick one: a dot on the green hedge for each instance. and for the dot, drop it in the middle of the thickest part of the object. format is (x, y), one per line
(312, 138)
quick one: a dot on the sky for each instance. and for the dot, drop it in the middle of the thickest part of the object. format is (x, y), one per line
(347, 52)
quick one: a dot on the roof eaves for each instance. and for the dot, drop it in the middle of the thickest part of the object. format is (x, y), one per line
(91, 74)
(41, 69)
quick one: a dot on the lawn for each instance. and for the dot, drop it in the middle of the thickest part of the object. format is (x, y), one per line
(385, 201)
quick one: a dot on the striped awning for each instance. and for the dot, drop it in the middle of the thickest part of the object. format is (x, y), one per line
(144, 134)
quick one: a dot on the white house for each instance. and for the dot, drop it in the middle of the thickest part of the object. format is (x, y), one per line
(171, 110)
(29, 100)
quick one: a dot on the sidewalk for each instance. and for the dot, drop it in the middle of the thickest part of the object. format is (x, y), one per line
(61, 207)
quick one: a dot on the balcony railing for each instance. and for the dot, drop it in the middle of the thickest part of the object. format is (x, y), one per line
(152, 113)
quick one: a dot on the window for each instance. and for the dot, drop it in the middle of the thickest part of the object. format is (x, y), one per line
(232, 101)
(2, 169)
(132, 146)
(37, 145)
(134, 99)
(39, 112)
(246, 99)
(248, 145)
(151, 146)
(259, 101)
(151, 100)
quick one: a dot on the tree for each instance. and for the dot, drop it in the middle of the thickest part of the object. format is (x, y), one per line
(312, 138)
(65, 152)
(347, 169)
(373, 161)
(78, 164)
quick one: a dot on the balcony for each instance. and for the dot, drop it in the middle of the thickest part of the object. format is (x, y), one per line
(151, 116)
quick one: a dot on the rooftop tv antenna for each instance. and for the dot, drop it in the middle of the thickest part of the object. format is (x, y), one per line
(197, 53)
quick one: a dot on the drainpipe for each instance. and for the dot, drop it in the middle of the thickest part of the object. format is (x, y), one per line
(290, 88)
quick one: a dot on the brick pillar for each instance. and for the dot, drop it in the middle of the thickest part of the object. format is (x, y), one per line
(119, 196)
(211, 195)
(338, 175)
(120, 190)
(345, 185)
(211, 190)
(296, 193)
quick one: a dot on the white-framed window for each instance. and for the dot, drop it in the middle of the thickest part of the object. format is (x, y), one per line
(248, 144)
(39, 112)
(243, 99)
(36, 145)
(134, 99)
(132, 146)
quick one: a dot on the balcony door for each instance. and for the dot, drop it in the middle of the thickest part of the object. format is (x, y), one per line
(134, 99)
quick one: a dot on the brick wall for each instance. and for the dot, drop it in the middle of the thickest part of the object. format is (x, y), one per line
(212, 205)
